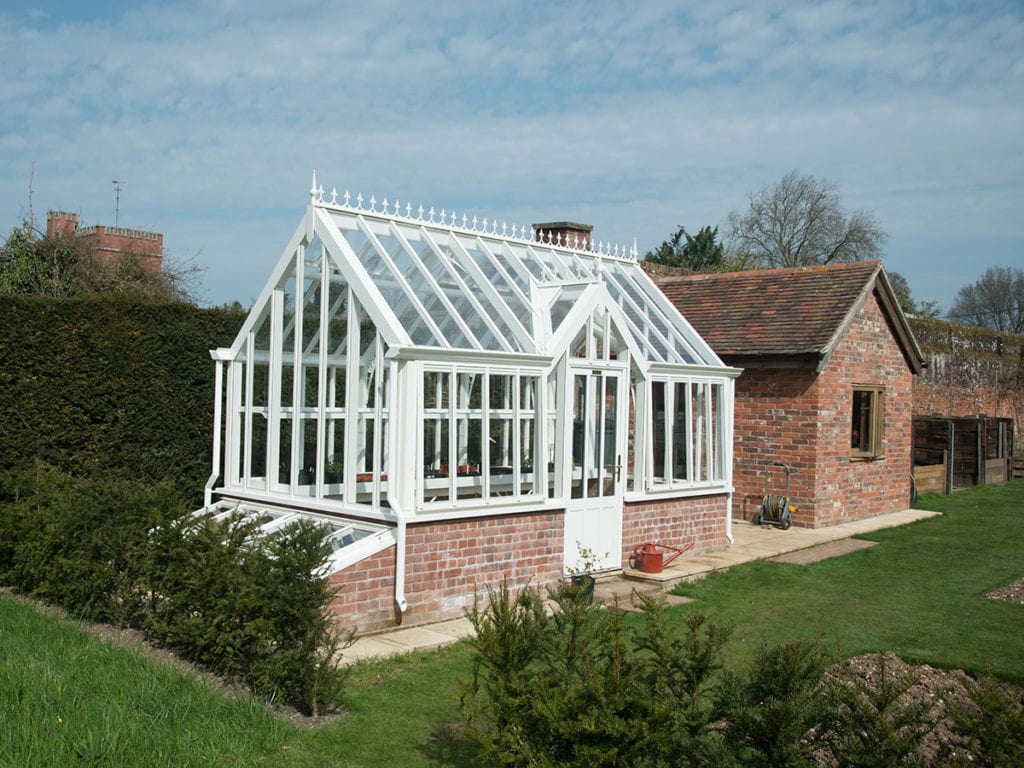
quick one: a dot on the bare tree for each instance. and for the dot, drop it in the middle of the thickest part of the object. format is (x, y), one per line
(800, 221)
(995, 300)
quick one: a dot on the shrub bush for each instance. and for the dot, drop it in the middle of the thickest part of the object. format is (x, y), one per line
(244, 606)
(871, 723)
(994, 725)
(769, 714)
(579, 688)
(80, 543)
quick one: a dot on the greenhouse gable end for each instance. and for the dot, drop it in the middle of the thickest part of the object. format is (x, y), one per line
(464, 403)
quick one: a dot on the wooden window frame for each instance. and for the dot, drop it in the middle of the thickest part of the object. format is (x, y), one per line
(869, 420)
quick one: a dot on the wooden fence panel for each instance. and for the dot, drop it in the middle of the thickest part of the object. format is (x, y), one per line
(930, 478)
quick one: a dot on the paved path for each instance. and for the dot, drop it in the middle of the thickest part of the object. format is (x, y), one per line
(750, 542)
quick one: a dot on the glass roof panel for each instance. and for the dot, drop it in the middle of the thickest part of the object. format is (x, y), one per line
(379, 263)
(460, 287)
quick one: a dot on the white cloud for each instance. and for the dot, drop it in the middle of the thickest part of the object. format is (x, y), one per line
(638, 118)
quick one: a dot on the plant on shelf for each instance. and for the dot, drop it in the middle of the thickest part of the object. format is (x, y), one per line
(334, 472)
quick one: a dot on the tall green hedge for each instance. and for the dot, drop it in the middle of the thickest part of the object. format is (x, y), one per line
(110, 387)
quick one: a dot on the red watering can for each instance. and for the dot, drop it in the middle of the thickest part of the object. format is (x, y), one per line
(649, 558)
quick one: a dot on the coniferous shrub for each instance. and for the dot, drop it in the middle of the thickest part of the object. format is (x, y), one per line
(244, 606)
(994, 725)
(82, 543)
(872, 724)
(770, 712)
(581, 687)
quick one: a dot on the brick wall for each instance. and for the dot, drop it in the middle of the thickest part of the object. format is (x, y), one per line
(801, 418)
(108, 243)
(675, 522)
(776, 420)
(448, 564)
(850, 490)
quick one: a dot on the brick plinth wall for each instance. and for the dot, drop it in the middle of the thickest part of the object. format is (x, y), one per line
(803, 418)
(448, 564)
(675, 522)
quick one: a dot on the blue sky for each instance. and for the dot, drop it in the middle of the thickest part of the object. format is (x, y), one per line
(633, 117)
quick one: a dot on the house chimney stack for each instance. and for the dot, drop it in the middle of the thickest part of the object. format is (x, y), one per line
(566, 233)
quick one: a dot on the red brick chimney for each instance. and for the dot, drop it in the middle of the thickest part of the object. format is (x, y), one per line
(566, 233)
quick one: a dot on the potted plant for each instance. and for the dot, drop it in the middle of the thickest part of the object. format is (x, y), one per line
(581, 576)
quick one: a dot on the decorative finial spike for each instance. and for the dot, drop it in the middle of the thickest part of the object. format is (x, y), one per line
(464, 221)
(420, 213)
(431, 214)
(334, 195)
(348, 199)
(312, 189)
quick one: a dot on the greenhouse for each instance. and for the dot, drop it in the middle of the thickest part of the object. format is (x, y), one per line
(513, 395)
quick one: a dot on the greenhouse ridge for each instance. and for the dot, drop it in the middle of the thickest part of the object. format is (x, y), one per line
(464, 223)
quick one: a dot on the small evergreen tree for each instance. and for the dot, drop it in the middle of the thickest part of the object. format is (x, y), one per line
(700, 253)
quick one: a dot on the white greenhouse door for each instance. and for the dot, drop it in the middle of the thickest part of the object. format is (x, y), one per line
(597, 441)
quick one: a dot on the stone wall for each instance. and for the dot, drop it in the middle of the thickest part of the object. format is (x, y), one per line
(971, 372)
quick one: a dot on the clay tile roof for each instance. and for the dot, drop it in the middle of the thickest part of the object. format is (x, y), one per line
(771, 312)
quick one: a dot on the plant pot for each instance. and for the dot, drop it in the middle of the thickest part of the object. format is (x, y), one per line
(582, 587)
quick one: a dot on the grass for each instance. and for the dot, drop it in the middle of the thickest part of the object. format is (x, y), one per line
(67, 699)
(919, 593)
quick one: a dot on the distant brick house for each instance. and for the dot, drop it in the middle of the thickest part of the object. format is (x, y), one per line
(109, 243)
(828, 361)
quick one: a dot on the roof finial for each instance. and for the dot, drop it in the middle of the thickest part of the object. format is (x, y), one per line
(312, 190)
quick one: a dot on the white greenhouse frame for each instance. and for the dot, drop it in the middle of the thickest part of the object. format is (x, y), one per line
(402, 365)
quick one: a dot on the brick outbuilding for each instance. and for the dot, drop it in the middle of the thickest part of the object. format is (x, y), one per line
(829, 361)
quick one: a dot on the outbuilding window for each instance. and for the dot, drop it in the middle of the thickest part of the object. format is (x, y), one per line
(867, 423)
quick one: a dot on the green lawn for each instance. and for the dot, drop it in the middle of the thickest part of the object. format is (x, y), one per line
(920, 592)
(66, 699)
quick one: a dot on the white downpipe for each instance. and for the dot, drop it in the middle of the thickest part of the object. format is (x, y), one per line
(402, 379)
(728, 517)
(400, 601)
(218, 389)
